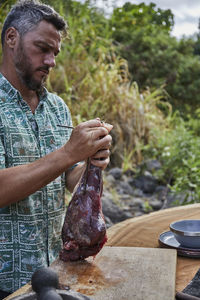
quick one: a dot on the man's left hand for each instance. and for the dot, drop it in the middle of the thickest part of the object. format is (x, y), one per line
(102, 157)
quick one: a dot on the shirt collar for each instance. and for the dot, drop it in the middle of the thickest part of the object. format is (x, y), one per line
(13, 93)
(7, 87)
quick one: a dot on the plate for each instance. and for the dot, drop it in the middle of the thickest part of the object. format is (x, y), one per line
(168, 240)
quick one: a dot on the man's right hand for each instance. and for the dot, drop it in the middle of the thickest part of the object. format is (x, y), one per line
(87, 139)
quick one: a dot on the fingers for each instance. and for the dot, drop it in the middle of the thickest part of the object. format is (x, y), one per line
(109, 127)
(96, 123)
(101, 154)
(87, 139)
(100, 163)
(101, 159)
(98, 132)
(91, 123)
(104, 142)
(93, 127)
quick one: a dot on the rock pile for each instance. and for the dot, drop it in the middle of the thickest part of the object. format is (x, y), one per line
(127, 195)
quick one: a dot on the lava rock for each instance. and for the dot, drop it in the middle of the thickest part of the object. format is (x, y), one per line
(116, 173)
(145, 183)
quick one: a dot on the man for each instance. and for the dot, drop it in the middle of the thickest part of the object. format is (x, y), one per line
(38, 159)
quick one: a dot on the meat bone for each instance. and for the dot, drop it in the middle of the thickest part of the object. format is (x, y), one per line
(84, 228)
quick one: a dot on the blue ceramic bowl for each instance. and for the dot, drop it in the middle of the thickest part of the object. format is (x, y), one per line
(187, 233)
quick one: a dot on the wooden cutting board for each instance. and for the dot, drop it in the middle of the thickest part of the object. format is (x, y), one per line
(122, 273)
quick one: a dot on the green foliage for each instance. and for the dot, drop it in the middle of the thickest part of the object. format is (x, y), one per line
(100, 88)
(4, 9)
(93, 77)
(154, 56)
(94, 82)
(146, 59)
(197, 42)
(186, 85)
(178, 150)
(147, 207)
(131, 17)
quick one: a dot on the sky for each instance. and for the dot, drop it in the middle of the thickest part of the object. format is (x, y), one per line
(186, 13)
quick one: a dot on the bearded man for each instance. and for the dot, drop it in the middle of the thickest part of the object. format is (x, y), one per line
(38, 159)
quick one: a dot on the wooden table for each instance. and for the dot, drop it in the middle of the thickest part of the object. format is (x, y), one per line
(144, 231)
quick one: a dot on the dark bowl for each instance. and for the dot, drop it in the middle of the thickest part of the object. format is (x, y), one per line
(187, 233)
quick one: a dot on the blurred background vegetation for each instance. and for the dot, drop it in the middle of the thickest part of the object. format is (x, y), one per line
(127, 69)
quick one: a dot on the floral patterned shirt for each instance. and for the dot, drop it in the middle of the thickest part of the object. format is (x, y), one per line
(30, 230)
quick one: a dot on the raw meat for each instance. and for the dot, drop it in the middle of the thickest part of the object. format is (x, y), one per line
(84, 229)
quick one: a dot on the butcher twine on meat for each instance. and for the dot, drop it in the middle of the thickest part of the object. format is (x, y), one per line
(84, 228)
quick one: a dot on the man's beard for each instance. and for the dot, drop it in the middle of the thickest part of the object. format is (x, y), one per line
(25, 70)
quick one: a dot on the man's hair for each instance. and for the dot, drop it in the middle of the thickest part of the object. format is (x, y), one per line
(26, 14)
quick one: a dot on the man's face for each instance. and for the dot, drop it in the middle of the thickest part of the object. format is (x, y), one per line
(35, 55)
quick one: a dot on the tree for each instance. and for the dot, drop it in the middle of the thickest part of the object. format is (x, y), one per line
(197, 44)
(142, 35)
(130, 18)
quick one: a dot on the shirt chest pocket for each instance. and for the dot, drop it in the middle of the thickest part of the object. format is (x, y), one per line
(23, 145)
(21, 148)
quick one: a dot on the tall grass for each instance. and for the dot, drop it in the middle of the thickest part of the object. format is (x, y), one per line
(95, 82)
(99, 88)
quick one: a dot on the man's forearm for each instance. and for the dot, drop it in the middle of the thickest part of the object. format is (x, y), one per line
(21, 181)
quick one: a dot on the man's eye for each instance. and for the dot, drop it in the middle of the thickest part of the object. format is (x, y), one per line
(44, 49)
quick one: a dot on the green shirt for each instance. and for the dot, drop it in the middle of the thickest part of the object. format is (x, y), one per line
(30, 230)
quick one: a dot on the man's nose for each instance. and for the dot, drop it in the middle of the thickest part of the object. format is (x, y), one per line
(49, 60)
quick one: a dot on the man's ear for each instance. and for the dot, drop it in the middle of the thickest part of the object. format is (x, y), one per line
(11, 37)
